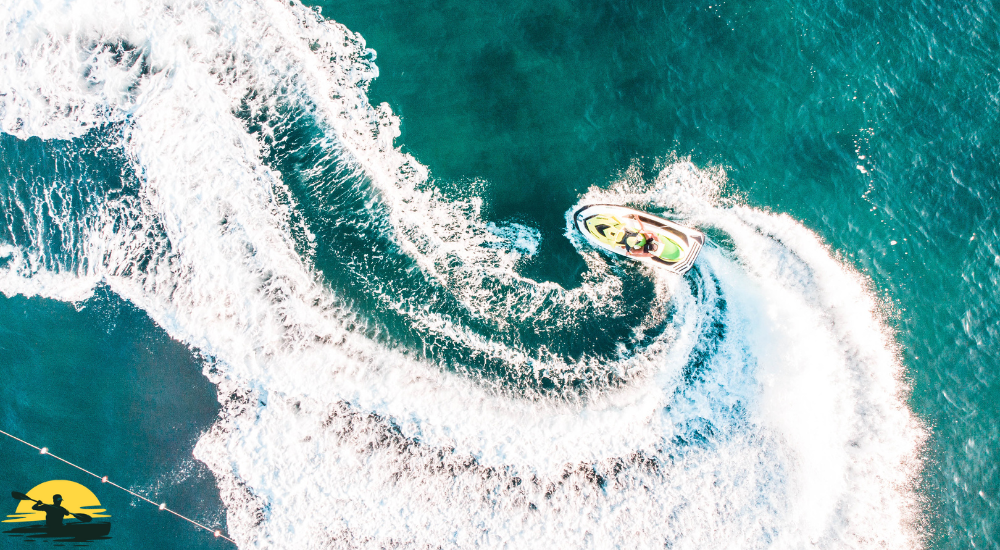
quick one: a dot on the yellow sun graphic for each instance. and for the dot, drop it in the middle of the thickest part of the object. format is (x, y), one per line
(76, 498)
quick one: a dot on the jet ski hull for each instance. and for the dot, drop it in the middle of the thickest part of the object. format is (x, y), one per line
(682, 244)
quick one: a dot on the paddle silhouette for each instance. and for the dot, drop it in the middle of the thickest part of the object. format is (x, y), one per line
(81, 531)
(39, 505)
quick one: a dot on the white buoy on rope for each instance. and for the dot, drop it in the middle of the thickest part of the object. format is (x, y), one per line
(104, 479)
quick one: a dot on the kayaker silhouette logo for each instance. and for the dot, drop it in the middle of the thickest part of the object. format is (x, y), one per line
(62, 510)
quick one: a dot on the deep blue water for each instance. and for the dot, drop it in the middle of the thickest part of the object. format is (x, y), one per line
(792, 98)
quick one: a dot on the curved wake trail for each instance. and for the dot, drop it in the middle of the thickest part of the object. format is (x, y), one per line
(757, 402)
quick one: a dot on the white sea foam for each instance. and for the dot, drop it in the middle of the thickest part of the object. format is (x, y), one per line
(790, 431)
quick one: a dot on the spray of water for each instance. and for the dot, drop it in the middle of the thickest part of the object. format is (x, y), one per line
(758, 403)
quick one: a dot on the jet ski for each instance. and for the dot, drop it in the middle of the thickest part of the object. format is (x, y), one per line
(640, 236)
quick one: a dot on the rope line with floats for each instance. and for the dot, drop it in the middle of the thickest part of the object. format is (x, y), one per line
(104, 479)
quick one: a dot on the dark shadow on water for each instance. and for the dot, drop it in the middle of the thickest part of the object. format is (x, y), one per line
(70, 532)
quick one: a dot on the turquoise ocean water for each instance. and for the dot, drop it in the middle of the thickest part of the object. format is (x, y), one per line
(305, 272)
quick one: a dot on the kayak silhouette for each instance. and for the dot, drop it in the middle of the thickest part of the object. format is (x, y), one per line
(54, 527)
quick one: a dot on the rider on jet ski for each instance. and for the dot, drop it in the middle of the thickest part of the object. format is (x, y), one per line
(637, 243)
(621, 230)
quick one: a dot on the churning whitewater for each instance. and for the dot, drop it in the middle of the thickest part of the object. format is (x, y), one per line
(757, 402)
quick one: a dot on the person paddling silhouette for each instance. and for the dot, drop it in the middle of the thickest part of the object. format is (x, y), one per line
(54, 513)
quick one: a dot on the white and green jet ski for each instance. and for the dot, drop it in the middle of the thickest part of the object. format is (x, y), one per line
(640, 236)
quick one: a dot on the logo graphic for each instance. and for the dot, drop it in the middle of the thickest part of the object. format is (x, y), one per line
(43, 509)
